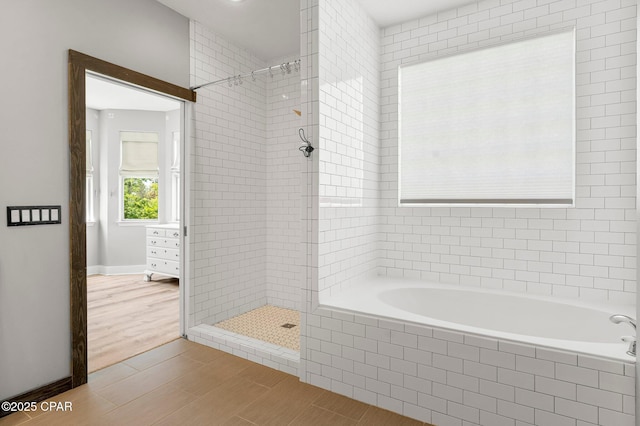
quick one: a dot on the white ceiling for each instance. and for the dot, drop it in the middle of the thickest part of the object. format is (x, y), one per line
(387, 12)
(103, 94)
(271, 28)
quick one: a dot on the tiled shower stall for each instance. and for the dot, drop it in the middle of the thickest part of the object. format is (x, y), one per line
(246, 195)
(272, 227)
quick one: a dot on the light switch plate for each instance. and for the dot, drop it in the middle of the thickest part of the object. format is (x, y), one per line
(33, 215)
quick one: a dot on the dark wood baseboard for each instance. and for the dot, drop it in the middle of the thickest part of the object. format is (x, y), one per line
(40, 394)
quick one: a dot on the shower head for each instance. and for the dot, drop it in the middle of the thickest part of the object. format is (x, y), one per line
(306, 149)
(619, 318)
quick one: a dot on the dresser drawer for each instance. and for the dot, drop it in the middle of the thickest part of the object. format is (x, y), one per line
(163, 232)
(172, 233)
(163, 253)
(155, 232)
(172, 267)
(161, 265)
(163, 242)
(172, 254)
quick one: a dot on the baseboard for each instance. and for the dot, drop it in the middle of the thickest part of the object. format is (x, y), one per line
(40, 394)
(116, 270)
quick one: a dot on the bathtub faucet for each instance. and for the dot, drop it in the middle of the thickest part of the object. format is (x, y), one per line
(617, 319)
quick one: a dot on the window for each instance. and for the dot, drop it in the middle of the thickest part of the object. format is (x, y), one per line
(490, 127)
(175, 177)
(89, 194)
(139, 175)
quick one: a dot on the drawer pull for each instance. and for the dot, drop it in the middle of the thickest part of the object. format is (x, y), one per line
(156, 233)
(176, 234)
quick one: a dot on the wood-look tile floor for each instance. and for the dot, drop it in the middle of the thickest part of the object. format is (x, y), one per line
(185, 383)
(127, 316)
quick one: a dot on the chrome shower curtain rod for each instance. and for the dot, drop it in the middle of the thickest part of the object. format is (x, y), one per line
(284, 68)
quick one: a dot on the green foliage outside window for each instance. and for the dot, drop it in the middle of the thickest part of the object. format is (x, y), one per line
(140, 198)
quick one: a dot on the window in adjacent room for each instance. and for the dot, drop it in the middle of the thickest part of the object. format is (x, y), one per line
(175, 177)
(139, 175)
(89, 194)
(494, 126)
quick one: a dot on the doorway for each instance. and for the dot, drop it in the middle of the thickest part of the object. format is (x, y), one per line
(133, 187)
(79, 64)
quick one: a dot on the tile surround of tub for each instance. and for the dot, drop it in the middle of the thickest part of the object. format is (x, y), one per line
(449, 378)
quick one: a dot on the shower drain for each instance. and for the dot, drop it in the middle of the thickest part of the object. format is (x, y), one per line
(288, 325)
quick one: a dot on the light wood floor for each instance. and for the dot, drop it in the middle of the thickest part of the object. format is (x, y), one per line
(184, 383)
(127, 316)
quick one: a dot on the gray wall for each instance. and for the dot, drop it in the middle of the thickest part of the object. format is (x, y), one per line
(35, 36)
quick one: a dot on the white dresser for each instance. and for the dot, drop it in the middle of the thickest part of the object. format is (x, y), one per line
(163, 251)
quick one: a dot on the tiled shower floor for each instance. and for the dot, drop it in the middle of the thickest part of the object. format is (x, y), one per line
(265, 323)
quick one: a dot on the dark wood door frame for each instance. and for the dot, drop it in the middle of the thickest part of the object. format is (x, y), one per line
(79, 63)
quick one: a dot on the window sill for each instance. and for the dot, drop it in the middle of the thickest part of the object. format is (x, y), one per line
(137, 222)
(453, 205)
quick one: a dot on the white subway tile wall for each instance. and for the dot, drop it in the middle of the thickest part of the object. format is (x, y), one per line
(349, 80)
(309, 85)
(440, 376)
(228, 182)
(584, 252)
(284, 275)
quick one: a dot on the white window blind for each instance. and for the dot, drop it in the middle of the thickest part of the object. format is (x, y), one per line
(491, 126)
(139, 154)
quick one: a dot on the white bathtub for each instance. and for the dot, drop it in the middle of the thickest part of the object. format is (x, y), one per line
(565, 324)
